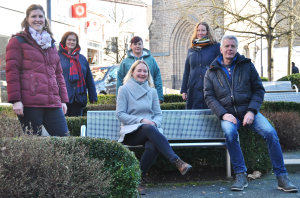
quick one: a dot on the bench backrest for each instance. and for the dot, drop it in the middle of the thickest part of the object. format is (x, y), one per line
(278, 86)
(177, 125)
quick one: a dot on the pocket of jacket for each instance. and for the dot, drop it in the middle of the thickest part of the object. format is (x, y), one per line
(34, 83)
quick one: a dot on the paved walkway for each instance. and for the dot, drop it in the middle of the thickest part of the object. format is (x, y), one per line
(264, 187)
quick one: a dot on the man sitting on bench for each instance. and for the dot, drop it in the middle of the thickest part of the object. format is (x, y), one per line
(234, 92)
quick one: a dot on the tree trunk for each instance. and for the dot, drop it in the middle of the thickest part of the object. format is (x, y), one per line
(270, 40)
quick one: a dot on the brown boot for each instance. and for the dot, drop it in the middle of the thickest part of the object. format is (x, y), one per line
(182, 166)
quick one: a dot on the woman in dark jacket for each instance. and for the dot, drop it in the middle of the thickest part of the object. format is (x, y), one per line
(77, 74)
(204, 49)
(35, 84)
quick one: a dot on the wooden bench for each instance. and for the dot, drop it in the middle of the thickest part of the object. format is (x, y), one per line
(281, 91)
(183, 128)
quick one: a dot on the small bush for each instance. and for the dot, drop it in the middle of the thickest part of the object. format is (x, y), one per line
(264, 79)
(34, 167)
(287, 127)
(294, 78)
(74, 124)
(171, 98)
(106, 99)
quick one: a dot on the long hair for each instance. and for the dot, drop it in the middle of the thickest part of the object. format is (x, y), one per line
(210, 33)
(131, 70)
(65, 37)
(25, 24)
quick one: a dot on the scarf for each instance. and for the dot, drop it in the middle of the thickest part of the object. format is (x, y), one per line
(75, 73)
(42, 39)
(199, 43)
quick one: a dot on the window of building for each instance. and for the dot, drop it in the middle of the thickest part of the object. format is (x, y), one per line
(94, 51)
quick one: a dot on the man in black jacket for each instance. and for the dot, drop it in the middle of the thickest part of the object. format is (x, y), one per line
(295, 69)
(234, 92)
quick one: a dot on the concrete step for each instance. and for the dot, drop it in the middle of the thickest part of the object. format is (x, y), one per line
(292, 161)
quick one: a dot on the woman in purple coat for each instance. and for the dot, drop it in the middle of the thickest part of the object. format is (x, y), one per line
(35, 84)
(204, 49)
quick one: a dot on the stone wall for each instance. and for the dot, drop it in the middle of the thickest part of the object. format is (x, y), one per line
(172, 25)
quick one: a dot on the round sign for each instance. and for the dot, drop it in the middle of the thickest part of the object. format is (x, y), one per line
(79, 10)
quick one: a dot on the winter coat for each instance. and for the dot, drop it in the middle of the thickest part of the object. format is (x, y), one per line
(196, 64)
(34, 76)
(134, 103)
(244, 93)
(154, 70)
(295, 70)
(71, 86)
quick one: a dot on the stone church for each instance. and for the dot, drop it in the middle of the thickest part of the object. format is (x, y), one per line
(173, 22)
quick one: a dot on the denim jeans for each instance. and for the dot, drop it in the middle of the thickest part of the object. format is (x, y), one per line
(53, 120)
(154, 143)
(261, 126)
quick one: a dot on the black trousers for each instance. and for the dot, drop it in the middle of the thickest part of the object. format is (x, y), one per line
(154, 143)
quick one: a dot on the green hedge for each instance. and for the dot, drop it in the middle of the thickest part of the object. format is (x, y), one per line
(118, 160)
(294, 78)
(171, 98)
(68, 162)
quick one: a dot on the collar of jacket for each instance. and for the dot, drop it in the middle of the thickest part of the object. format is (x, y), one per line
(26, 35)
(136, 90)
(239, 59)
(146, 53)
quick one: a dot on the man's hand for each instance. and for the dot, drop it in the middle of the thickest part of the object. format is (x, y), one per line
(146, 121)
(64, 107)
(184, 96)
(18, 108)
(229, 117)
(248, 118)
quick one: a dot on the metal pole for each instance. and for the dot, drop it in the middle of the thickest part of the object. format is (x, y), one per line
(261, 50)
(49, 11)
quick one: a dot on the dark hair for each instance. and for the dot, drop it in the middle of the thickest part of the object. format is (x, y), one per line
(293, 64)
(136, 39)
(210, 34)
(65, 37)
(25, 24)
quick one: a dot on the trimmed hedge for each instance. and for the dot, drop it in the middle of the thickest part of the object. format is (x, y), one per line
(66, 167)
(294, 78)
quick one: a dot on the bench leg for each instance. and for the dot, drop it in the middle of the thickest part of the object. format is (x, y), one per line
(228, 165)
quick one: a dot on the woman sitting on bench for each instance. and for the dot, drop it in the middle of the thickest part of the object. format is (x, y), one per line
(140, 115)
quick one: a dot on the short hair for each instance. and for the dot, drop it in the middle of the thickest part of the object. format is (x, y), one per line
(65, 37)
(32, 7)
(293, 64)
(210, 33)
(131, 70)
(226, 37)
(136, 39)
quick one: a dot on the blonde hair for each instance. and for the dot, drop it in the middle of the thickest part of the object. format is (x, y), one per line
(210, 33)
(131, 70)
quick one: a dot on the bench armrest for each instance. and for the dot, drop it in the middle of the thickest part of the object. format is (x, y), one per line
(83, 131)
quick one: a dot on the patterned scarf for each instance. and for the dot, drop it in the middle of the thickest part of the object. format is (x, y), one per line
(75, 73)
(199, 43)
(42, 39)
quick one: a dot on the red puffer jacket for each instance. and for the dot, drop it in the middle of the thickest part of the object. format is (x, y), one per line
(33, 75)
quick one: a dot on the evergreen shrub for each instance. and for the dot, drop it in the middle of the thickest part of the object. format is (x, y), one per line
(294, 78)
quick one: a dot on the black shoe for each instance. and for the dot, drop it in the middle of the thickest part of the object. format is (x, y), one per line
(285, 184)
(240, 182)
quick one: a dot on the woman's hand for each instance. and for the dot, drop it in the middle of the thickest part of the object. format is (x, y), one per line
(18, 108)
(146, 121)
(184, 96)
(64, 107)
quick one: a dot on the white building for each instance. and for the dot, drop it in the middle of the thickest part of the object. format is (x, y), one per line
(104, 20)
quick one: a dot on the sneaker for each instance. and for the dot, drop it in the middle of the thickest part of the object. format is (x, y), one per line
(285, 184)
(240, 182)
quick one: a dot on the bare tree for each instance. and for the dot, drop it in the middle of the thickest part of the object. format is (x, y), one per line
(256, 19)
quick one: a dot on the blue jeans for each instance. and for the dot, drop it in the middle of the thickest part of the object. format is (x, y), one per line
(53, 120)
(261, 126)
(154, 143)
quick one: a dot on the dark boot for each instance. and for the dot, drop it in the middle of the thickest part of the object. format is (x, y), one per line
(142, 186)
(182, 166)
(285, 184)
(240, 182)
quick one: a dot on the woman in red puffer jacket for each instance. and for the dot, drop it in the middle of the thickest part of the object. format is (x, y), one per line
(35, 84)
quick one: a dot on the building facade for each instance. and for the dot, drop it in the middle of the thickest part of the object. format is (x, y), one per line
(105, 20)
